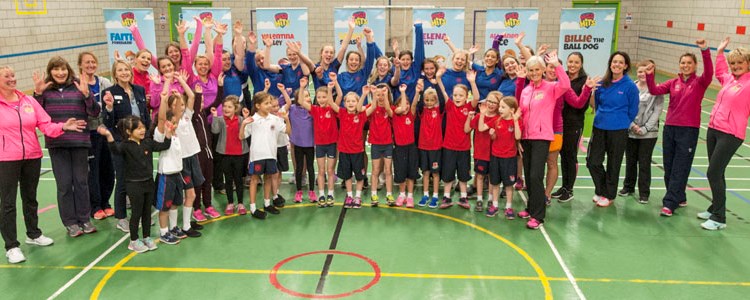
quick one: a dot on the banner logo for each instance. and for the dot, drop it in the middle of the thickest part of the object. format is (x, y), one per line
(587, 20)
(512, 20)
(438, 19)
(128, 19)
(206, 15)
(360, 18)
(281, 20)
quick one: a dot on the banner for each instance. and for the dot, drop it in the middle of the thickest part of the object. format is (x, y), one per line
(588, 31)
(436, 23)
(282, 25)
(222, 15)
(116, 23)
(363, 17)
(511, 22)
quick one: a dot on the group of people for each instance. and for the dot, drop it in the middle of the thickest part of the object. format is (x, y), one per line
(209, 132)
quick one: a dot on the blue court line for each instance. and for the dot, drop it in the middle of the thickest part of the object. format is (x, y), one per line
(675, 43)
(704, 175)
(51, 50)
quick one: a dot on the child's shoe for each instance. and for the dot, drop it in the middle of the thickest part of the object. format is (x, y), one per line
(198, 215)
(491, 211)
(409, 202)
(241, 209)
(298, 197)
(433, 202)
(400, 201)
(230, 209)
(137, 246)
(212, 213)
(423, 201)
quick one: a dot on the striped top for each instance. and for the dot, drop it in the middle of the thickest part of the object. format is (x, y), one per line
(63, 103)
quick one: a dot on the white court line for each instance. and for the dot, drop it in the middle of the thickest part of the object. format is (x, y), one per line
(659, 156)
(663, 188)
(559, 258)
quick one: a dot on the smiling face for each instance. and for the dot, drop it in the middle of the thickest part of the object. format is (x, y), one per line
(383, 66)
(574, 64)
(429, 69)
(139, 133)
(321, 96)
(292, 56)
(641, 72)
(505, 111)
(177, 105)
(535, 71)
(8, 80)
(123, 72)
(618, 65)
(459, 60)
(326, 54)
(202, 65)
(687, 65)
(738, 66)
(350, 102)
(228, 108)
(173, 52)
(549, 73)
(460, 93)
(259, 59)
(510, 64)
(59, 74)
(492, 105)
(353, 61)
(226, 62)
(166, 66)
(490, 58)
(88, 64)
(406, 60)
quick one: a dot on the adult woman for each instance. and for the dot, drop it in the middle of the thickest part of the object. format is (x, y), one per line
(683, 121)
(101, 171)
(616, 104)
(538, 97)
(64, 97)
(459, 65)
(726, 129)
(21, 161)
(122, 100)
(489, 75)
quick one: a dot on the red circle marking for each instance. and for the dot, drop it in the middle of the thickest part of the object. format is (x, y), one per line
(277, 284)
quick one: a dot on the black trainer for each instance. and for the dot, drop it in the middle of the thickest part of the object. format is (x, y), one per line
(194, 224)
(192, 232)
(271, 210)
(279, 201)
(643, 200)
(625, 192)
(565, 196)
(258, 214)
(556, 194)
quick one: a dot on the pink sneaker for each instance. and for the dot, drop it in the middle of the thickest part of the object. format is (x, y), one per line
(604, 202)
(298, 197)
(666, 212)
(533, 224)
(400, 201)
(523, 214)
(241, 209)
(229, 210)
(212, 212)
(198, 216)
(311, 195)
(519, 185)
(409, 202)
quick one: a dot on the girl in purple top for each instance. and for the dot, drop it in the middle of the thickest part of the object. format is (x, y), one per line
(302, 138)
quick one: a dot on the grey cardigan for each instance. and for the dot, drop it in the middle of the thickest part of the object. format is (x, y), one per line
(218, 126)
(94, 122)
(649, 110)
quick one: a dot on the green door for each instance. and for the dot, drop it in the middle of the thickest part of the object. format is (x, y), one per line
(175, 14)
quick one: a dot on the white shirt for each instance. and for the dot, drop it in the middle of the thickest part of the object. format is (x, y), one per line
(283, 139)
(170, 160)
(186, 133)
(265, 133)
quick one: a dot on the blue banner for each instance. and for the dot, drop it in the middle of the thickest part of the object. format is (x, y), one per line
(222, 15)
(116, 23)
(363, 17)
(282, 25)
(588, 31)
(436, 23)
(510, 22)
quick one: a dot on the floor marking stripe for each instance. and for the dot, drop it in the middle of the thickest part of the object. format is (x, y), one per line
(42, 210)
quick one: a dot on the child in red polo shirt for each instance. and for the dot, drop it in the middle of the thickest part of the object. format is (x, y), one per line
(405, 157)
(488, 113)
(381, 141)
(430, 112)
(505, 133)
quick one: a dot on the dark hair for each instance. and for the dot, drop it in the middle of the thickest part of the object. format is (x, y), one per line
(497, 54)
(607, 81)
(405, 52)
(430, 61)
(581, 72)
(691, 55)
(358, 55)
(128, 124)
(158, 63)
(176, 45)
(59, 62)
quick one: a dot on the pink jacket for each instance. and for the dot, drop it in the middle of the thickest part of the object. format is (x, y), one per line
(18, 124)
(537, 104)
(732, 106)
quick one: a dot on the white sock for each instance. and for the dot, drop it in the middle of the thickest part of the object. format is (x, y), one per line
(463, 194)
(388, 194)
(358, 194)
(409, 195)
(267, 202)
(349, 194)
(489, 197)
(427, 194)
(321, 193)
(447, 195)
(508, 205)
(374, 193)
(479, 198)
(252, 208)
(330, 193)
(172, 218)
(494, 203)
(163, 231)
(436, 196)
(186, 211)
(275, 196)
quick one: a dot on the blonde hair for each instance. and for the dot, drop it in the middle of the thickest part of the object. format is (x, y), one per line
(495, 95)
(114, 69)
(510, 101)
(234, 100)
(467, 65)
(739, 53)
(374, 73)
(430, 92)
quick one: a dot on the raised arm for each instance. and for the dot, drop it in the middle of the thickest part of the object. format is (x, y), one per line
(238, 47)
(525, 53)
(447, 41)
(441, 86)
(417, 94)
(520, 81)
(163, 107)
(471, 76)
(268, 42)
(139, 42)
(579, 101)
(419, 53)
(467, 124)
(371, 108)
(336, 106)
(196, 42)
(563, 81)
(653, 88)
(345, 42)
(722, 69)
(182, 79)
(339, 93)
(708, 65)
(373, 52)
(218, 49)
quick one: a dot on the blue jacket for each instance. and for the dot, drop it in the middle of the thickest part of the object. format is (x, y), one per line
(616, 105)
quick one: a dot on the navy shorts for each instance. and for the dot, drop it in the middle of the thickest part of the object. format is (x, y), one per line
(503, 170)
(405, 163)
(456, 162)
(328, 151)
(381, 151)
(261, 167)
(191, 172)
(351, 163)
(282, 159)
(481, 167)
(168, 191)
(429, 161)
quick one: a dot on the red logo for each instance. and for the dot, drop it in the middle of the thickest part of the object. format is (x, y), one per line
(512, 20)
(258, 167)
(587, 20)
(438, 19)
(206, 15)
(127, 19)
(360, 18)
(281, 20)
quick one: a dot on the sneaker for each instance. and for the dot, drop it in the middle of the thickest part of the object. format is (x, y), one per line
(259, 214)
(198, 215)
(178, 233)
(15, 255)
(713, 225)
(321, 202)
(109, 212)
(666, 212)
(100, 215)
(348, 202)
(604, 202)
(374, 200)
(683, 204)
(271, 210)
(311, 195)
(479, 207)
(212, 213)
(625, 192)
(464, 203)
(169, 239)
(643, 200)
(137, 246)
(330, 201)
(519, 186)
(491, 211)
(447, 203)
(88, 227)
(230, 209)
(150, 244)
(357, 202)
(389, 200)
(195, 225)
(704, 215)
(565, 197)
(409, 202)
(547, 201)
(558, 193)
(523, 214)
(510, 214)
(433, 202)
(74, 230)
(192, 232)
(298, 197)
(533, 224)
(241, 210)
(400, 200)
(40, 241)
(596, 198)
(470, 190)
(123, 225)
(423, 201)
(279, 201)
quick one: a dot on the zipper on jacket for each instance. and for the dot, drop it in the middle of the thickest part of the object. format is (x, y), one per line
(20, 129)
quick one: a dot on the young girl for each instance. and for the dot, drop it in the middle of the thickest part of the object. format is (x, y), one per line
(410, 65)
(456, 143)
(137, 152)
(352, 148)
(282, 145)
(505, 133)
(405, 156)
(430, 114)
(233, 149)
(326, 135)
(381, 141)
(302, 138)
(264, 127)
(482, 139)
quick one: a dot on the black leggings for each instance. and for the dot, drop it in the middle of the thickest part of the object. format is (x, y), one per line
(306, 156)
(141, 194)
(721, 147)
(234, 169)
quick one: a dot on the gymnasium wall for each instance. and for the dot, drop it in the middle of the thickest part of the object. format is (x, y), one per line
(77, 25)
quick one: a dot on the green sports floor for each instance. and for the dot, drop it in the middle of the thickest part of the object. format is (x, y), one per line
(625, 251)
